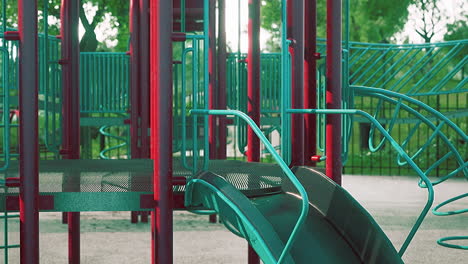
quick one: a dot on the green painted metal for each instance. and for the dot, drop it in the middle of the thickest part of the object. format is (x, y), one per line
(281, 163)
(94, 201)
(104, 82)
(247, 229)
(400, 152)
(105, 130)
(285, 93)
(7, 64)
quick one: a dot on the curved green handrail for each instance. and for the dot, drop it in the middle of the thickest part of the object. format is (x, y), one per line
(239, 213)
(281, 163)
(399, 150)
(387, 95)
(105, 133)
(452, 238)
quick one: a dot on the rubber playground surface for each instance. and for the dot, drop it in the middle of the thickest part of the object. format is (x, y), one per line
(395, 202)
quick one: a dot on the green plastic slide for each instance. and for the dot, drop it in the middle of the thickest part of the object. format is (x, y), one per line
(337, 229)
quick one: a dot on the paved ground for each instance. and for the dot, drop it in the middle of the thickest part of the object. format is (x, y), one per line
(393, 201)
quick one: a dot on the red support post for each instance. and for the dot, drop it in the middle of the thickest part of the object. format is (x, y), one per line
(28, 131)
(134, 53)
(134, 78)
(253, 93)
(296, 15)
(222, 104)
(69, 15)
(253, 79)
(144, 79)
(161, 129)
(213, 91)
(333, 98)
(310, 80)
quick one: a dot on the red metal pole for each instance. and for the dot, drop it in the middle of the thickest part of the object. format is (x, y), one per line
(134, 85)
(161, 132)
(310, 80)
(333, 97)
(296, 11)
(222, 104)
(69, 15)
(253, 79)
(213, 93)
(144, 87)
(29, 147)
(253, 93)
(134, 77)
(144, 78)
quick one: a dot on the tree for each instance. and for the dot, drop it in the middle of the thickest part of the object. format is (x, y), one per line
(457, 30)
(377, 21)
(370, 21)
(117, 13)
(427, 18)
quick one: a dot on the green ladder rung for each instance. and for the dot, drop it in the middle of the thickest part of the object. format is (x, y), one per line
(9, 216)
(10, 246)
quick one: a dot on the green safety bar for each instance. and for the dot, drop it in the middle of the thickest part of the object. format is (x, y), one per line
(198, 97)
(197, 100)
(398, 149)
(281, 163)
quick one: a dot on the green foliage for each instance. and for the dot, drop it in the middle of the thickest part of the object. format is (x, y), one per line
(457, 30)
(370, 21)
(378, 20)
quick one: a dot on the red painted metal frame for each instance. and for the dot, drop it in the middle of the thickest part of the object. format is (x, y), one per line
(144, 78)
(333, 96)
(213, 135)
(69, 15)
(296, 15)
(139, 92)
(253, 93)
(222, 103)
(134, 77)
(253, 79)
(29, 146)
(310, 80)
(134, 85)
(161, 129)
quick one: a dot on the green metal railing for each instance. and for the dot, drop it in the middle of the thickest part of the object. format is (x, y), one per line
(305, 200)
(411, 69)
(104, 82)
(192, 94)
(400, 151)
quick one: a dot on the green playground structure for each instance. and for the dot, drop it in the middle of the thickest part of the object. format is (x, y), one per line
(259, 139)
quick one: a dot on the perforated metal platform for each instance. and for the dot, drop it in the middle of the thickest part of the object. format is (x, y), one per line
(121, 185)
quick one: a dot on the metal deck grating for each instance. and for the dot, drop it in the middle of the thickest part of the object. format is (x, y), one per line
(136, 175)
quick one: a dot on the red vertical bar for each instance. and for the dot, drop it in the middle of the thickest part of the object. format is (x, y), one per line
(253, 93)
(144, 79)
(28, 130)
(161, 129)
(310, 80)
(69, 15)
(333, 96)
(134, 78)
(212, 100)
(296, 13)
(136, 85)
(222, 130)
(253, 79)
